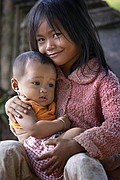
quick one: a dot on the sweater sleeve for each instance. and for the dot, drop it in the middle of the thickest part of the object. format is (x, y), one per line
(103, 141)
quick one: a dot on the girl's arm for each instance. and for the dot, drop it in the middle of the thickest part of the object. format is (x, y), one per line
(96, 140)
(42, 128)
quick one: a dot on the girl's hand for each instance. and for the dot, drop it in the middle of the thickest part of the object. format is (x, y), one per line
(14, 104)
(59, 155)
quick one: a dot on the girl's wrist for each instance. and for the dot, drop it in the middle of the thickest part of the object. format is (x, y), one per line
(76, 147)
(63, 123)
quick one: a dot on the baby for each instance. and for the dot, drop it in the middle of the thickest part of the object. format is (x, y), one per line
(34, 79)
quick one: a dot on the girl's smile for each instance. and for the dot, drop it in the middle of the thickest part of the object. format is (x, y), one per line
(54, 54)
(56, 44)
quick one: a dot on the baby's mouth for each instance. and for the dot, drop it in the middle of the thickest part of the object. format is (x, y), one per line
(43, 98)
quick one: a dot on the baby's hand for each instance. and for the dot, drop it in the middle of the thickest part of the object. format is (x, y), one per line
(66, 122)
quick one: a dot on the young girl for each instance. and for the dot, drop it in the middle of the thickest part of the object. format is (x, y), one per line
(87, 91)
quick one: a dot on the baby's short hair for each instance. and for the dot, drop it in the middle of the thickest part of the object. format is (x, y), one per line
(21, 60)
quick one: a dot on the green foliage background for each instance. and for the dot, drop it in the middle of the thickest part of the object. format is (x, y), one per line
(114, 4)
(4, 96)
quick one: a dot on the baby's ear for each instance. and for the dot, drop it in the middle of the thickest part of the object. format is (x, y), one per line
(14, 84)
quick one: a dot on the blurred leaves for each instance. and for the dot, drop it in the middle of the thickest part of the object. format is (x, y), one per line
(4, 96)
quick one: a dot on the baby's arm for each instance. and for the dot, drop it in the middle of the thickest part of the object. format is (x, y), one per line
(42, 128)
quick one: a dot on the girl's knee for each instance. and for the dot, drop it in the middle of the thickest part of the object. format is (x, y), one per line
(9, 144)
(79, 158)
(84, 167)
(83, 161)
(10, 147)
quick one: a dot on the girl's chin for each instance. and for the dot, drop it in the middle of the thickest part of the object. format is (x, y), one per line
(58, 63)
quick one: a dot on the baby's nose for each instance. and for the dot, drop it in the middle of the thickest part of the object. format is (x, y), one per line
(43, 90)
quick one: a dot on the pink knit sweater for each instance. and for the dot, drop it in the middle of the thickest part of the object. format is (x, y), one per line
(92, 102)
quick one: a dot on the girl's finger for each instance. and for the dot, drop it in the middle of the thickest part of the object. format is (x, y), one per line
(51, 142)
(11, 117)
(49, 164)
(53, 168)
(60, 170)
(13, 113)
(21, 106)
(44, 156)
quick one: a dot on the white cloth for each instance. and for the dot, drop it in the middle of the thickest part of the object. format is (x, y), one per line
(83, 167)
(14, 163)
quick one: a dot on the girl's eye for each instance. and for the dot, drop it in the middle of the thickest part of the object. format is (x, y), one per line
(40, 40)
(36, 83)
(57, 35)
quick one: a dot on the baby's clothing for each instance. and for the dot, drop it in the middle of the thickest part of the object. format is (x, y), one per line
(37, 146)
(42, 112)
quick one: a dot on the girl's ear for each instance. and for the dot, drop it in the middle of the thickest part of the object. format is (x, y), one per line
(14, 84)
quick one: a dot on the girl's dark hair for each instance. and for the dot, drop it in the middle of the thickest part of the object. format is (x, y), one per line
(73, 16)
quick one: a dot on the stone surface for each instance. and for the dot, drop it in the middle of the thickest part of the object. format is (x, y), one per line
(110, 39)
(105, 16)
(107, 21)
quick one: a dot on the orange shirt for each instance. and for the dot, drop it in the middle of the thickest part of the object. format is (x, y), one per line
(42, 112)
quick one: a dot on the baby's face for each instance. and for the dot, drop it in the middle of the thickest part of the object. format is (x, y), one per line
(38, 82)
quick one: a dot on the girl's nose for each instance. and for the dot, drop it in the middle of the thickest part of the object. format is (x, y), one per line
(50, 45)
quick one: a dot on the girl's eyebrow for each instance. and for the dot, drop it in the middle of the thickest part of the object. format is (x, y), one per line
(38, 35)
(50, 31)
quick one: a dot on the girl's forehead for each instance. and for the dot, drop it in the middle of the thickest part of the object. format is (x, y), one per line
(45, 28)
(45, 23)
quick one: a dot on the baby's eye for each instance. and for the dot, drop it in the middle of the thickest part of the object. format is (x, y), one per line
(51, 85)
(36, 83)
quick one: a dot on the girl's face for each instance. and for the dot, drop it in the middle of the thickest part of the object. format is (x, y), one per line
(57, 45)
